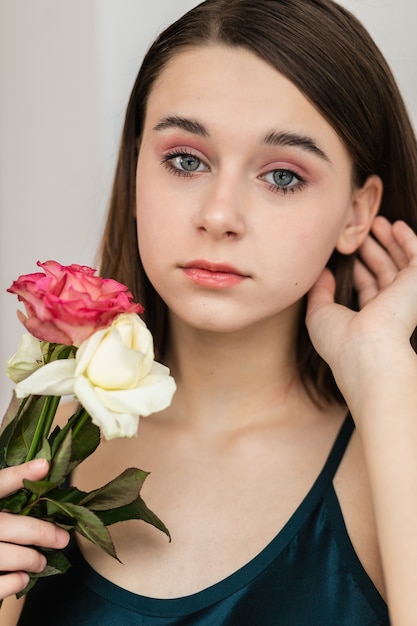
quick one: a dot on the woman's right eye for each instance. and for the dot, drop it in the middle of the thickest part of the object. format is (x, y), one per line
(184, 163)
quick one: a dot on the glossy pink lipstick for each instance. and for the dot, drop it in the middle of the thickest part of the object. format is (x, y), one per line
(214, 275)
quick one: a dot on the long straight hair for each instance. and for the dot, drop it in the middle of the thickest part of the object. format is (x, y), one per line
(325, 51)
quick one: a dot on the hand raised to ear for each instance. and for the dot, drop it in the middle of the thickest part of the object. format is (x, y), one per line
(381, 258)
(385, 276)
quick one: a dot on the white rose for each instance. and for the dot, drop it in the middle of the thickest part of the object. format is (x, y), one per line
(114, 376)
(28, 358)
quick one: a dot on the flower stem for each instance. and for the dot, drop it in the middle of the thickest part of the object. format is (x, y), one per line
(83, 416)
(75, 423)
(44, 424)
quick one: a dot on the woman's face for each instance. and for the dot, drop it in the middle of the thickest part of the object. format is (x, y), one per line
(243, 190)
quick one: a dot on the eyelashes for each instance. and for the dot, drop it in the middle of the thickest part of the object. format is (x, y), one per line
(280, 180)
(284, 180)
(183, 163)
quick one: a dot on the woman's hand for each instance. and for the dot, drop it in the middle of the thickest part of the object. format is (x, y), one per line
(19, 533)
(385, 276)
(375, 368)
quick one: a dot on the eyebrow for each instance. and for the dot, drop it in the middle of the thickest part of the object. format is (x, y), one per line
(184, 123)
(273, 138)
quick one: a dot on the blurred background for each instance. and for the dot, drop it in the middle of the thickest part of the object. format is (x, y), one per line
(66, 71)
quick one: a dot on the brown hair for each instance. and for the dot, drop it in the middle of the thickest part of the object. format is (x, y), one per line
(330, 57)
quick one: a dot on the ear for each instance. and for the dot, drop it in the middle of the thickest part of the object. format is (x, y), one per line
(365, 205)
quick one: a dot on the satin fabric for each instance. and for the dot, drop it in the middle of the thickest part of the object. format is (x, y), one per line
(309, 575)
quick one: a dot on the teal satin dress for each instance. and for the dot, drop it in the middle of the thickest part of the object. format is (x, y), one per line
(309, 575)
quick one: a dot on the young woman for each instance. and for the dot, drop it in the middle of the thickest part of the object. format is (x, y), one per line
(263, 212)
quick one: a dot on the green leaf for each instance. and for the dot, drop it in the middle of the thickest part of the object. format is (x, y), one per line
(4, 442)
(118, 492)
(86, 440)
(135, 510)
(67, 494)
(13, 410)
(33, 579)
(85, 436)
(57, 563)
(86, 523)
(52, 438)
(39, 487)
(61, 460)
(15, 502)
(23, 432)
(14, 424)
(45, 451)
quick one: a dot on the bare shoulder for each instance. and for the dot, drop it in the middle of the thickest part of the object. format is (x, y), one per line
(10, 611)
(355, 497)
(64, 412)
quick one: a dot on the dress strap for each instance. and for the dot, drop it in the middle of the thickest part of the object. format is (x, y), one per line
(339, 447)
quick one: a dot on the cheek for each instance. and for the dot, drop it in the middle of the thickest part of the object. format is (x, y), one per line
(299, 255)
(157, 237)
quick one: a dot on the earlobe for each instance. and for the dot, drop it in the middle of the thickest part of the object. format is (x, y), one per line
(365, 205)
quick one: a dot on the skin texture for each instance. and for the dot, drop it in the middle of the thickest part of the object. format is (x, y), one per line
(230, 210)
(233, 259)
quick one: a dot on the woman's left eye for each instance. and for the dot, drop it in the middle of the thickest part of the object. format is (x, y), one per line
(283, 180)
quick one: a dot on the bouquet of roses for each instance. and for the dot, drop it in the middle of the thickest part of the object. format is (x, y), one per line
(84, 338)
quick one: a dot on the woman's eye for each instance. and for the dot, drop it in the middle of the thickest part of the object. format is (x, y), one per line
(283, 180)
(184, 163)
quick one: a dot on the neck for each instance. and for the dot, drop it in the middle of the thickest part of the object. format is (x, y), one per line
(234, 377)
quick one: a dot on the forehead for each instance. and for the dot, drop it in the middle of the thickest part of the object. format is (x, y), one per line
(204, 74)
(230, 87)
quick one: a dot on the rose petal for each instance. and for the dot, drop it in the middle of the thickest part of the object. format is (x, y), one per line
(115, 365)
(111, 424)
(153, 394)
(68, 303)
(28, 358)
(53, 379)
(87, 349)
(47, 331)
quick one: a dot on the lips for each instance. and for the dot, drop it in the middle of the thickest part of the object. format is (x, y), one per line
(214, 275)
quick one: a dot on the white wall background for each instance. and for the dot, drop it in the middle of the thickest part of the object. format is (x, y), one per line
(66, 70)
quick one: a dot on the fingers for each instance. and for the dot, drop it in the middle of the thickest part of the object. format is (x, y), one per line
(14, 557)
(365, 283)
(323, 316)
(322, 291)
(12, 477)
(30, 531)
(22, 529)
(18, 533)
(381, 259)
(384, 232)
(407, 239)
(11, 584)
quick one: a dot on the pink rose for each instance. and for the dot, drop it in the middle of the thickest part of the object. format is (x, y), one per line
(67, 304)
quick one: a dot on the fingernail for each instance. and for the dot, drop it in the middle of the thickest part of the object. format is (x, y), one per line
(42, 563)
(38, 463)
(62, 537)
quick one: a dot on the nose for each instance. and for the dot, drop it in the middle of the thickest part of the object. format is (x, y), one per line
(221, 211)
